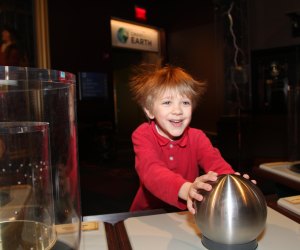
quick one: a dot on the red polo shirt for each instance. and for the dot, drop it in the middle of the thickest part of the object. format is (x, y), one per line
(164, 166)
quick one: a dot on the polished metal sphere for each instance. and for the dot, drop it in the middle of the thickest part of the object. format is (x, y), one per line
(233, 212)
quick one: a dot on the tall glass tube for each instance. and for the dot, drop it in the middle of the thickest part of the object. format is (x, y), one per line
(26, 199)
(48, 96)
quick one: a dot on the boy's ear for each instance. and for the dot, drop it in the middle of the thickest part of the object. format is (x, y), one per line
(148, 113)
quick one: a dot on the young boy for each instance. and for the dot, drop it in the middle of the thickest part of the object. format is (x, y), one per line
(168, 153)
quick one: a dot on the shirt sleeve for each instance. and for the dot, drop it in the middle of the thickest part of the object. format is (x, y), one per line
(209, 157)
(153, 172)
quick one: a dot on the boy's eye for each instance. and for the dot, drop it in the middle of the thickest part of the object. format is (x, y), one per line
(166, 102)
(186, 102)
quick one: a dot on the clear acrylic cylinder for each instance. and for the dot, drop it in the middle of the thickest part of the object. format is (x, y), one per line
(31, 96)
(26, 199)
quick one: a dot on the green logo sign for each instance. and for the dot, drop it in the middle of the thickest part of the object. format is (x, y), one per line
(122, 35)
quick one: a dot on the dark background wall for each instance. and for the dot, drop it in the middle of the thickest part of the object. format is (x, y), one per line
(270, 26)
(198, 38)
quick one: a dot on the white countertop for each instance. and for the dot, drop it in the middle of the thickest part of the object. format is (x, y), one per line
(281, 169)
(178, 231)
(94, 239)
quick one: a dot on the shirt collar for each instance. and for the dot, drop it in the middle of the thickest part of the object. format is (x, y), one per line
(163, 141)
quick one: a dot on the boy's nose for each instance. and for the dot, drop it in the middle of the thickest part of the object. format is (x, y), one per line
(177, 109)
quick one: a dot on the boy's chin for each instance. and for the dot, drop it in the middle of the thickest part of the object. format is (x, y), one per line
(175, 136)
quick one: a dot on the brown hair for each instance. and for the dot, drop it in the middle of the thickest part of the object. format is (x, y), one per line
(151, 81)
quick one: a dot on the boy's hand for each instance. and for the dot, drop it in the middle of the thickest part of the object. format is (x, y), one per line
(199, 183)
(246, 176)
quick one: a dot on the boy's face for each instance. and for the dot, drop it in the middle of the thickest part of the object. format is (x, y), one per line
(172, 113)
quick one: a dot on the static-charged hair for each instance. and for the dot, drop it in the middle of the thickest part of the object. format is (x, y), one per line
(150, 82)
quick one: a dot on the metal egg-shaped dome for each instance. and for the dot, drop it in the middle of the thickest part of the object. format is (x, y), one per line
(233, 212)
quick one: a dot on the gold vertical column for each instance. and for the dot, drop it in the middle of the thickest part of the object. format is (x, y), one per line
(42, 34)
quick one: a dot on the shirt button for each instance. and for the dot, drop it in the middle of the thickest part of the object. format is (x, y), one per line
(171, 145)
(171, 158)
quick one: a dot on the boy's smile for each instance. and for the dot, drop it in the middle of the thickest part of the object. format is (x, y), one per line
(172, 114)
